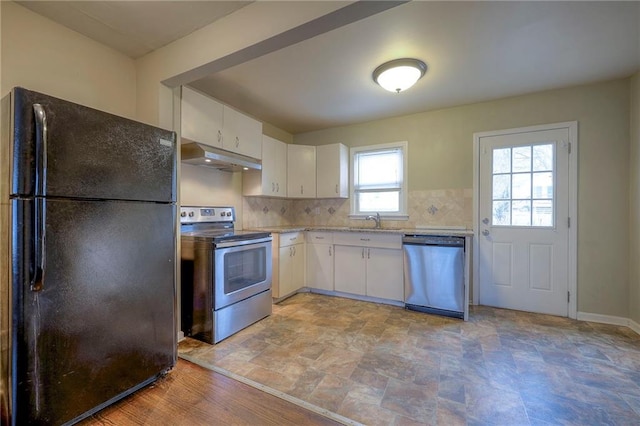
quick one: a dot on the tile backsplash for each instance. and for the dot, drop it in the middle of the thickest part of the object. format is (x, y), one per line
(441, 207)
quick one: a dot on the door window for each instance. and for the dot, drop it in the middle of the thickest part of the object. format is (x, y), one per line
(523, 186)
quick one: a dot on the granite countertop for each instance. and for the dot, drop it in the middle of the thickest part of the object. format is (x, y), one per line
(450, 231)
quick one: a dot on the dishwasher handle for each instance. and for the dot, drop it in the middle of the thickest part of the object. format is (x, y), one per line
(433, 240)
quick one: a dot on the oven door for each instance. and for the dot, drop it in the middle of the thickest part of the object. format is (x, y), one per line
(242, 269)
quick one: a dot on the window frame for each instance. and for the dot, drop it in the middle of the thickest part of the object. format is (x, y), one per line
(531, 172)
(403, 146)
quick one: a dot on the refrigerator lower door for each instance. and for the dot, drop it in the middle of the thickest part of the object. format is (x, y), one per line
(103, 323)
(434, 277)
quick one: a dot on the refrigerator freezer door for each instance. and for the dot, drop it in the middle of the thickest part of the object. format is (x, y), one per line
(103, 323)
(88, 153)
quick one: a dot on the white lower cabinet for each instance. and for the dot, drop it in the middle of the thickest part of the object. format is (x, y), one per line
(385, 276)
(288, 267)
(371, 265)
(350, 270)
(320, 260)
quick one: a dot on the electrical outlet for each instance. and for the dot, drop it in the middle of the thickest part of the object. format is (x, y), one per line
(317, 211)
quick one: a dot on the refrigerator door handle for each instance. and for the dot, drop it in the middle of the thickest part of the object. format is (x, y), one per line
(41, 149)
(37, 279)
(41, 188)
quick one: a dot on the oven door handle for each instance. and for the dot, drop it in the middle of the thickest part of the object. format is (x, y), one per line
(243, 242)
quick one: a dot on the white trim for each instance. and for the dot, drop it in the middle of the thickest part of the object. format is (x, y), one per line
(404, 199)
(572, 255)
(609, 319)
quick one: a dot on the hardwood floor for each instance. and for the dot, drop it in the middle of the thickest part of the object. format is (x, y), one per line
(192, 395)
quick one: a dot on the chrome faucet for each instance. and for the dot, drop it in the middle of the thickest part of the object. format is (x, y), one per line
(376, 218)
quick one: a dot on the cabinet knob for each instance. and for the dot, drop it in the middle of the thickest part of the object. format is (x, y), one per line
(336, 188)
(273, 187)
(301, 189)
(219, 136)
(237, 141)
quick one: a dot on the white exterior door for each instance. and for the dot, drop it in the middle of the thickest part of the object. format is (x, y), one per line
(523, 220)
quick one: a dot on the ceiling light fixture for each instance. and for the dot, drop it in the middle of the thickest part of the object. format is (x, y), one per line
(399, 74)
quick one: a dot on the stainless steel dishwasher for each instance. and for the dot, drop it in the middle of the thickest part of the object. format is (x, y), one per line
(434, 274)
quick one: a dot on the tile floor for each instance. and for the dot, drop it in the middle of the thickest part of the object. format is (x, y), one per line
(383, 365)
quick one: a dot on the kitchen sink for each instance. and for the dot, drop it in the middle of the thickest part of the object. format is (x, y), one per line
(369, 229)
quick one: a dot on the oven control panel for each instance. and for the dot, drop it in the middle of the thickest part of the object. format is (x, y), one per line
(197, 214)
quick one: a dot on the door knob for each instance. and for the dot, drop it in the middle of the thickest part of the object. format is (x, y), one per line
(485, 232)
(485, 221)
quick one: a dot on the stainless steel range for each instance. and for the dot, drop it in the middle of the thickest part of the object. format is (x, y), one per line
(226, 274)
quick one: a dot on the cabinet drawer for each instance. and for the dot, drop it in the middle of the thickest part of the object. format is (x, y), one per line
(319, 237)
(363, 239)
(291, 238)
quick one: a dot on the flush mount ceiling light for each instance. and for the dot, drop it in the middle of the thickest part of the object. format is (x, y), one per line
(399, 74)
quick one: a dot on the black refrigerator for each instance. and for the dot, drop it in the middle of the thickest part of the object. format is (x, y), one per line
(88, 243)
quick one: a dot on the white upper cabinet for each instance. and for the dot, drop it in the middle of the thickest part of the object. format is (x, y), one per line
(271, 181)
(332, 171)
(241, 134)
(301, 171)
(201, 118)
(207, 121)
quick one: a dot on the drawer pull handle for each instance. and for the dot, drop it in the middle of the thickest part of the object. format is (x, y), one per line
(365, 239)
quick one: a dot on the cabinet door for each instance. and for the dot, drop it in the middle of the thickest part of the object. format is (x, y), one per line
(301, 171)
(385, 274)
(349, 264)
(201, 119)
(297, 272)
(274, 167)
(320, 266)
(285, 272)
(242, 134)
(271, 181)
(332, 171)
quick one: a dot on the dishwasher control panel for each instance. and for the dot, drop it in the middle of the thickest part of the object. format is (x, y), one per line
(433, 240)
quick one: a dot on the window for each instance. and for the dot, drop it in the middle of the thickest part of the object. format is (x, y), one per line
(523, 186)
(379, 179)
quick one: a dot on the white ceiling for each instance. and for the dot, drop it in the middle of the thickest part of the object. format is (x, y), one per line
(134, 28)
(475, 51)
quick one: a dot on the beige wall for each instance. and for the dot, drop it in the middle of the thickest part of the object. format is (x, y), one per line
(634, 203)
(40, 55)
(203, 186)
(441, 157)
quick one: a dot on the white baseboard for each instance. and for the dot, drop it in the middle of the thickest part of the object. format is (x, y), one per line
(609, 319)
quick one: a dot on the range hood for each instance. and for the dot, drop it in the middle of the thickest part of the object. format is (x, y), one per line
(200, 154)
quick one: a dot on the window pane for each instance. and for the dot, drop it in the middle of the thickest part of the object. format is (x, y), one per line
(382, 168)
(501, 213)
(542, 213)
(501, 187)
(521, 185)
(521, 213)
(379, 201)
(543, 185)
(543, 157)
(502, 160)
(522, 159)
